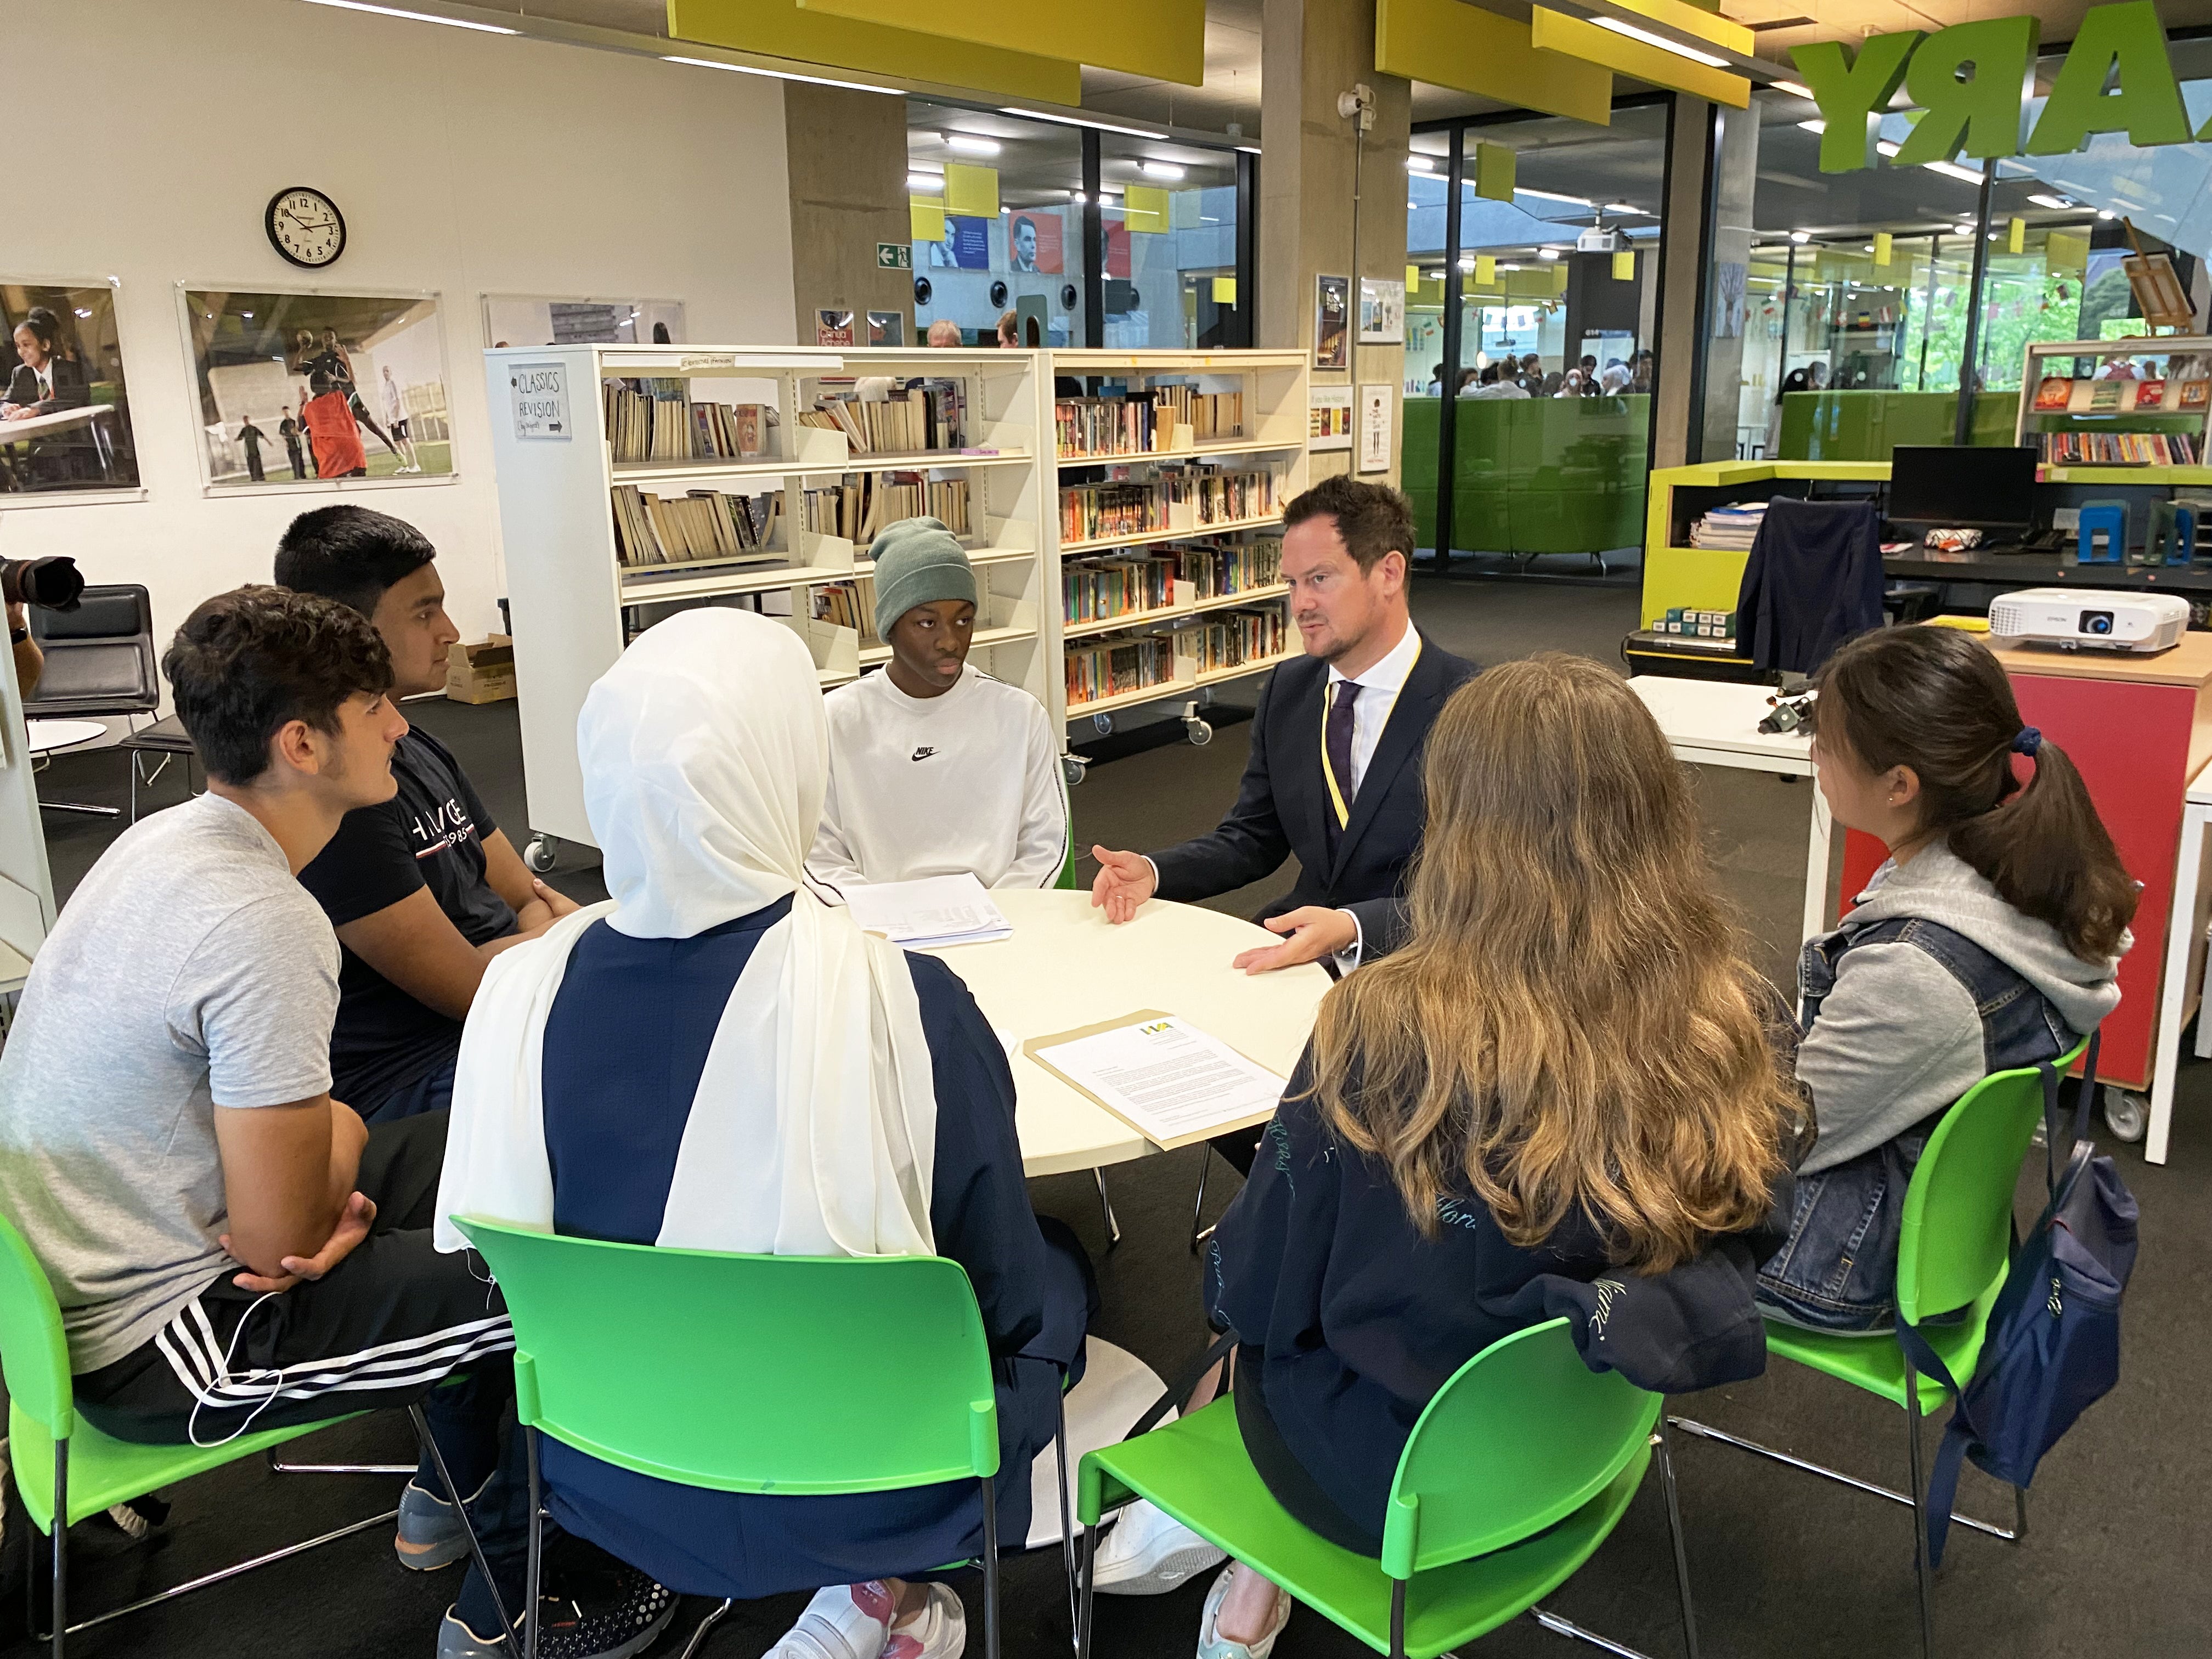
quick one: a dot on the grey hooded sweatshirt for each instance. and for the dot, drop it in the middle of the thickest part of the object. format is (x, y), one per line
(1899, 1037)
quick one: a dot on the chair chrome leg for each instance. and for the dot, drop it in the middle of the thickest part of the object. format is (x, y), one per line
(1574, 1632)
(699, 1636)
(536, 1559)
(1067, 1514)
(1706, 1432)
(60, 1541)
(1675, 1531)
(1106, 1204)
(2018, 1513)
(1397, 1619)
(1198, 1204)
(990, 1569)
(1083, 1617)
(1921, 1571)
(276, 1466)
(468, 1527)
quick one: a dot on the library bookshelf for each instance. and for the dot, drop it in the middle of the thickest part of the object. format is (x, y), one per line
(582, 581)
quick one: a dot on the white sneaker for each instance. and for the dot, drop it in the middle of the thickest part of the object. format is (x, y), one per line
(843, 1622)
(940, 1632)
(1212, 1644)
(1149, 1552)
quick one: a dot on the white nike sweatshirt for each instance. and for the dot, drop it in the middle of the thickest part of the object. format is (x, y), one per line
(933, 785)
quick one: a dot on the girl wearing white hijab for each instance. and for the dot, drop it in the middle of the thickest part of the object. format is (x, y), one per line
(717, 1060)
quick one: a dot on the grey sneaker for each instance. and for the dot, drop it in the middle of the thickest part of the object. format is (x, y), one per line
(626, 1622)
(430, 1534)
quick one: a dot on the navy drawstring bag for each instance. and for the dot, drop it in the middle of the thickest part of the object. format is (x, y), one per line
(2053, 1345)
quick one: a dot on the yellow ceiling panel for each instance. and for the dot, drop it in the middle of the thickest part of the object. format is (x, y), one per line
(1556, 31)
(1470, 49)
(779, 29)
(1164, 40)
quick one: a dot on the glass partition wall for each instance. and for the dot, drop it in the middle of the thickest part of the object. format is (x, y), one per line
(1530, 329)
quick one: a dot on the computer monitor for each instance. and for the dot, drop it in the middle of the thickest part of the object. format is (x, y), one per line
(1968, 489)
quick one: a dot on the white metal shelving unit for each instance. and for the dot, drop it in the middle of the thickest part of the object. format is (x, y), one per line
(1275, 439)
(574, 606)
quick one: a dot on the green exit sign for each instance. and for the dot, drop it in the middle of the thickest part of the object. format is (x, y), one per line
(894, 256)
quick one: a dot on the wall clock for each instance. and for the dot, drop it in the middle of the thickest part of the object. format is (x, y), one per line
(306, 226)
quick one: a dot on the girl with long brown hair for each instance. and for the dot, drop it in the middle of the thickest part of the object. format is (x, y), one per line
(1989, 941)
(1567, 1073)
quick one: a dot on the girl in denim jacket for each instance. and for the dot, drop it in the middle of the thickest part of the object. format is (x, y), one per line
(1989, 941)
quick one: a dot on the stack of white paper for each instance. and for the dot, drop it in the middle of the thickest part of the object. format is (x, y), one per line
(936, 910)
(1167, 1079)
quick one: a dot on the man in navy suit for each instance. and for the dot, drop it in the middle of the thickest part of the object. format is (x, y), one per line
(1336, 770)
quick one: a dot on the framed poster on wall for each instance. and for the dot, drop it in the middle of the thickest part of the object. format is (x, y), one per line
(1382, 311)
(65, 411)
(531, 320)
(1374, 429)
(1332, 322)
(1328, 417)
(314, 387)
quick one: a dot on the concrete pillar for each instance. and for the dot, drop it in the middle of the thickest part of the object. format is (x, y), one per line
(1311, 51)
(1735, 177)
(1680, 283)
(847, 168)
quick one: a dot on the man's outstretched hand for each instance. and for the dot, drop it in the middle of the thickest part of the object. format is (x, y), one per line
(1315, 931)
(1125, 880)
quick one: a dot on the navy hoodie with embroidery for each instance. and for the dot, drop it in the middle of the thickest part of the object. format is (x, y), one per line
(1357, 1320)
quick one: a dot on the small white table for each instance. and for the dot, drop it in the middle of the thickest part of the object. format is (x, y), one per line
(2185, 959)
(1716, 723)
(1065, 966)
(61, 420)
(44, 737)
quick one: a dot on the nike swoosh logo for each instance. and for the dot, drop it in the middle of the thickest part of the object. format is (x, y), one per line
(923, 754)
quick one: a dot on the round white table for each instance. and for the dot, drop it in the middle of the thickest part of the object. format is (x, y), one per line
(1065, 966)
(44, 737)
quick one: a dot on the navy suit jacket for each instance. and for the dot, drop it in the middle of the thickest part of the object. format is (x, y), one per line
(1281, 805)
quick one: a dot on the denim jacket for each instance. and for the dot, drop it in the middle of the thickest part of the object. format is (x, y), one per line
(1838, 1270)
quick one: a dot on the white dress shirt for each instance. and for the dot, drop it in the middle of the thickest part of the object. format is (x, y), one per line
(1379, 694)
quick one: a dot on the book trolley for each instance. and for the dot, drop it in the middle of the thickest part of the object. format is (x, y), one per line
(1124, 539)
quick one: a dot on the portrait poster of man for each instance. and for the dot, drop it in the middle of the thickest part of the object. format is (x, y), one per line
(1033, 243)
(299, 388)
(64, 417)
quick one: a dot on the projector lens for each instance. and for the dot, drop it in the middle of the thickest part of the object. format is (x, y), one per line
(2096, 622)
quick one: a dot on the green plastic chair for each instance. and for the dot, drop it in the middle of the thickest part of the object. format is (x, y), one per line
(749, 1373)
(1953, 1247)
(65, 1467)
(1519, 1468)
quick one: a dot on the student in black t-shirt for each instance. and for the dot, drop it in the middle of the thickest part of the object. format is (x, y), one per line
(423, 889)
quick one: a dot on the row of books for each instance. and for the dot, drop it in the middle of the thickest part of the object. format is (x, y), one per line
(704, 523)
(922, 413)
(850, 604)
(1130, 584)
(1733, 528)
(1141, 424)
(651, 419)
(2116, 396)
(1178, 500)
(867, 501)
(2119, 448)
(1235, 639)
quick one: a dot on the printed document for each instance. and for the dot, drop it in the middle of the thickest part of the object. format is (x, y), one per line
(936, 910)
(1167, 1079)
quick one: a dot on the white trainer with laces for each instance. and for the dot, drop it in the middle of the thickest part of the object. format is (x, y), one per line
(938, 1631)
(1148, 1552)
(1212, 1644)
(843, 1622)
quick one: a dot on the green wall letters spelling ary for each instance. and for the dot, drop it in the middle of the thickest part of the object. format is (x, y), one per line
(1970, 79)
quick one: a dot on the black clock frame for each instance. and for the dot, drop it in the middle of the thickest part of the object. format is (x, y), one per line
(269, 228)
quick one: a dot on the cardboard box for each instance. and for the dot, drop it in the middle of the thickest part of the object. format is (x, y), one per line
(483, 671)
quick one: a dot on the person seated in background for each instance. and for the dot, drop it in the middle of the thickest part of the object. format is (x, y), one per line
(1567, 1093)
(935, 768)
(1991, 940)
(943, 333)
(716, 1059)
(1496, 384)
(231, 1248)
(422, 888)
(1010, 329)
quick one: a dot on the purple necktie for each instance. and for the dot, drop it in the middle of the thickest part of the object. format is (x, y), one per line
(1336, 745)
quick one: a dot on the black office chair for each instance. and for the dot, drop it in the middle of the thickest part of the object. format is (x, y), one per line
(99, 662)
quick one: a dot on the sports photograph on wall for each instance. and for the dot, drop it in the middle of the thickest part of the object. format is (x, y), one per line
(298, 388)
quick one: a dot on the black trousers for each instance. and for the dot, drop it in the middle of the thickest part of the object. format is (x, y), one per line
(385, 1327)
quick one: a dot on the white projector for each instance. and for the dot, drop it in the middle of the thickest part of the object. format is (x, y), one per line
(2072, 618)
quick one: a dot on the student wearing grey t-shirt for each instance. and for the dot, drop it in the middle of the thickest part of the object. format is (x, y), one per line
(231, 1247)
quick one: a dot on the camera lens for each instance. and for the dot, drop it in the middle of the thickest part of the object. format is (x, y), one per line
(2096, 622)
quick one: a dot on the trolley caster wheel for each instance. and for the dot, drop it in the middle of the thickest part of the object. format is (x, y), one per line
(1073, 769)
(1102, 724)
(540, 855)
(2127, 1113)
(1197, 730)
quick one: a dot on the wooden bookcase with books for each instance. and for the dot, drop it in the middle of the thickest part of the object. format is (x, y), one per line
(637, 480)
(2126, 411)
(1174, 468)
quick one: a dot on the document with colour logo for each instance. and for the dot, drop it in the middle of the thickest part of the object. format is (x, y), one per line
(1170, 1082)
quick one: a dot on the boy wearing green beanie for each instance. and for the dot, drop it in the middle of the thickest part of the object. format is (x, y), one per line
(935, 768)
